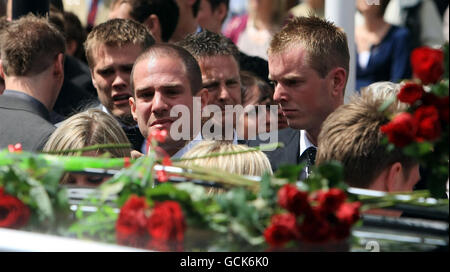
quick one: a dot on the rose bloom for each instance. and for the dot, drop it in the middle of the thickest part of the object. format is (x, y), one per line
(401, 131)
(13, 213)
(167, 223)
(427, 64)
(331, 200)
(429, 127)
(410, 93)
(293, 200)
(442, 104)
(283, 229)
(132, 221)
(348, 213)
(315, 227)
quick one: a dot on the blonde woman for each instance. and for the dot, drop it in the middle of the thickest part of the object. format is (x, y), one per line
(87, 128)
(253, 163)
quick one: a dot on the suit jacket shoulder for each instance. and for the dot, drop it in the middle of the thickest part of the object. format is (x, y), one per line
(21, 122)
(289, 154)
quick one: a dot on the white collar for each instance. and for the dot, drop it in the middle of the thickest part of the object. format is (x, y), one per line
(304, 142)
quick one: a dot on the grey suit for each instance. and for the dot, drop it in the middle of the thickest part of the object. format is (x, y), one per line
(289, 154)
(24, 120)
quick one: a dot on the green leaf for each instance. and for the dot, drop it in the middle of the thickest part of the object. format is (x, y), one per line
(388, 102)
(333, 171)
(290, 172)
(418, 149)
(109, 189)
(41, 198)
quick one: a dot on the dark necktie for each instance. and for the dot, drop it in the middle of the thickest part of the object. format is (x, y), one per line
(308, 156)
(135, 137)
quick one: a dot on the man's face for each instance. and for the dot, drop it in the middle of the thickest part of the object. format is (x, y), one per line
(111, 78)
(220, 75)
(305, 98)
(160, 83)
(210, 19)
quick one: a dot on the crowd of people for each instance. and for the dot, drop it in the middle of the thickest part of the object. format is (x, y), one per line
(115, 71)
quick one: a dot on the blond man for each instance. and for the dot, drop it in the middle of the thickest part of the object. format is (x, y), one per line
(111, 50)
(309, 64)
(352, 136)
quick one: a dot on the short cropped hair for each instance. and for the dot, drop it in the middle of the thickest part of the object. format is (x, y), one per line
(209, 44)
(30, 45)
(191, 66)
(116, 32)
(325, 43)
(352, 135)
(87, 128)
(167, 11)
(253, 163)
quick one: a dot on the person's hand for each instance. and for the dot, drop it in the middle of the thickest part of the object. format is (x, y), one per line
(136, 154)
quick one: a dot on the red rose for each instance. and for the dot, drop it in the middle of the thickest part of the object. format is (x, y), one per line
(331, 200)
(131, 224)
(167, 222)
(13, 213)
(348, 213)
(341, 231)
(402, 130)
(283, 228)
(427, 64)
(410, 93)
(315, 227)
(293, 200)
(429, 127)
(443, 104)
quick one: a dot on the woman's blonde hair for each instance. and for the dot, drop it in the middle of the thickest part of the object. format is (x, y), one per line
(87, 128)
(253, 163)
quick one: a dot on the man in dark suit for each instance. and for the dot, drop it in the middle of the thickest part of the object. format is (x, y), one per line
(309, 64)
(111, 50)
(33, 73)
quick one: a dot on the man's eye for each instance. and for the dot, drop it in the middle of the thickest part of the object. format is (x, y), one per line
(105, 72)
(273, 83)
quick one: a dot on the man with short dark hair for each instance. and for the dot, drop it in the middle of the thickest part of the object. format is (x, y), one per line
(219, 63)
(111, 50)
(33, 73)
(159, 16)
(163, 77)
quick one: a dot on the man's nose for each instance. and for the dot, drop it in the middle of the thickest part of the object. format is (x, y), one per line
(121, 80)
(158, 103)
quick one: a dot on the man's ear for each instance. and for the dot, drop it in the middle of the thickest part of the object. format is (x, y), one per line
(133, 107)
(338, 81)
(204, 95)
(154, 27)
(394, 177)
(58, 65)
